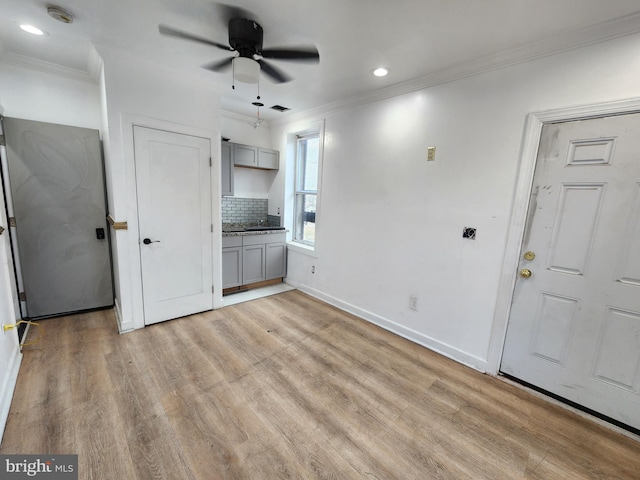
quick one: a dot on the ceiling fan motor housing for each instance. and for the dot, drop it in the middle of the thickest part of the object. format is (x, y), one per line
(245, 36)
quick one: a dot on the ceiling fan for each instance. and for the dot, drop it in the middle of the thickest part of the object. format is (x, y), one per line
(245, 40)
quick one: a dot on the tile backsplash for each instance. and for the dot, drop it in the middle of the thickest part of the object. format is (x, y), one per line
(274, 220)
(244, 210)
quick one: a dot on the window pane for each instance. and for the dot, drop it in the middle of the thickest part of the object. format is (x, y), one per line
(308, 154)
(306, 218)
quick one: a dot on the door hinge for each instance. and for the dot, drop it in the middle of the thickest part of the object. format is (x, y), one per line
(22, 296)
(210, 162)
(212, 228)
(1, 230)
(213, 289)
(2, 141)
(12, 221)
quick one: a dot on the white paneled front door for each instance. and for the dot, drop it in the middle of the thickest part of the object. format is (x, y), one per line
(174, 207)
(574, 327)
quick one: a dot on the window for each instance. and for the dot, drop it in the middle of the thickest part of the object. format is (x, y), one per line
(306, 191)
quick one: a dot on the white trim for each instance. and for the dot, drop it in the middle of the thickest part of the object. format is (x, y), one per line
(42, 66)
(302, 248)
(9, 386)
(123, 327)
(444, 349)
(529, 151)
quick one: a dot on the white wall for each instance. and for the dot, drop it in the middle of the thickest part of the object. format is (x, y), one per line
(248, 182)
(390, 223)
(44, 97)
(139, 93)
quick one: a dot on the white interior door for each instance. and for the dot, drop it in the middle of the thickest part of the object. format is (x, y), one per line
(574, 327)
(174, 208)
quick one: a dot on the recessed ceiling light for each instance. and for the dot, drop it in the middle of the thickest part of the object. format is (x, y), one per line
(31, 29)
(381, 72)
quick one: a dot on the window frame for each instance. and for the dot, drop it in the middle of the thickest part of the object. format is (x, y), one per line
(300, 193)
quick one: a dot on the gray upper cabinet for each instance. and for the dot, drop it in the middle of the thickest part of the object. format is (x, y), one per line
(268, 158)
(255, 157)
(245, 155)
(227, 169)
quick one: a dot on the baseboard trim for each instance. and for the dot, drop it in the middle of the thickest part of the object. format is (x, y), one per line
(437, 346)
(8, 387)
(122, 327)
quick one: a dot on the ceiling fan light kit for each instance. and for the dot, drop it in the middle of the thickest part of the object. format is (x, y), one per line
(246, 70)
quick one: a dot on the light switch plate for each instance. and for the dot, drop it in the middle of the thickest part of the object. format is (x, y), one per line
(431, 153)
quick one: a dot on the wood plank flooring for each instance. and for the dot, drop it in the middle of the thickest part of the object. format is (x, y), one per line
(287, 387)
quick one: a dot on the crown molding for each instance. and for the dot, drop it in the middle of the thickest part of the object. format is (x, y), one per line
(86, 76)
(564, 42)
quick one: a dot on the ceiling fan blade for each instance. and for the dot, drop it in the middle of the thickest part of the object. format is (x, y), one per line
(172, 32)
(276, 74)
(219, 66)
(227, 12)
(302, 55)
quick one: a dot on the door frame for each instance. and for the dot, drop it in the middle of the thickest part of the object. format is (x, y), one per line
(130, 311)
(522, 192)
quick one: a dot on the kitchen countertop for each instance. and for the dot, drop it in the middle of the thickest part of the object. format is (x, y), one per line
(239, 231)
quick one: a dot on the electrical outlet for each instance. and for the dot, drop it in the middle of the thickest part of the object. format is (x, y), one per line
(278, 211)
(313, 269)
(413, 303)
(431, 153)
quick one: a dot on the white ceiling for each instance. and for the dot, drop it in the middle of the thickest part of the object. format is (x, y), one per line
(421, 41)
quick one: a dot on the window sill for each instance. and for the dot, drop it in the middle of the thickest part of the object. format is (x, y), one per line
(302, 248)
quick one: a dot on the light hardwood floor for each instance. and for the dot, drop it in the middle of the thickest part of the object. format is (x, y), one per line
(287, 387)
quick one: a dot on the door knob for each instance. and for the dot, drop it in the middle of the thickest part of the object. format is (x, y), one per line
(525, 273)
(147, 241)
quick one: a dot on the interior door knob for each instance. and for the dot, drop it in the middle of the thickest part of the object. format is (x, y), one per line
(147, 241)
(525, 273)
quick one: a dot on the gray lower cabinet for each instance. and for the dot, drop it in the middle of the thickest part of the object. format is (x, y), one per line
(253, 265)
(275, 260)
(231, 262)
(250, 259)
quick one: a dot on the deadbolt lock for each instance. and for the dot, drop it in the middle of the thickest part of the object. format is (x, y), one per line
(525, 273)
(529, 255)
